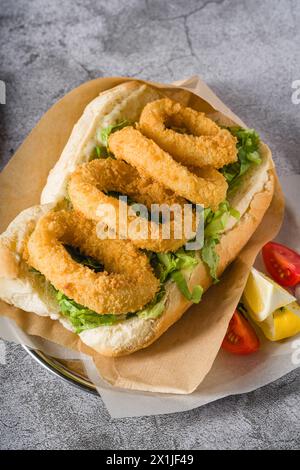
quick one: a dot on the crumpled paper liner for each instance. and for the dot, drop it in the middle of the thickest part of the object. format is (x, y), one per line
(181, 358)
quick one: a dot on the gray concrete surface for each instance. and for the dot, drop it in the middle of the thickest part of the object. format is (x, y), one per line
(248, 52)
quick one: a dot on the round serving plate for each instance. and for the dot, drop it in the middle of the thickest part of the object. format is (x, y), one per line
(69, 371)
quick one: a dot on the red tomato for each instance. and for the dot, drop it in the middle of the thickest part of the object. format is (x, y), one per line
(282, 263)
(240, 337)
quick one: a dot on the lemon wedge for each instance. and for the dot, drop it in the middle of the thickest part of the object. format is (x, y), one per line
(283, 323)
(273, 308)
(262, 296)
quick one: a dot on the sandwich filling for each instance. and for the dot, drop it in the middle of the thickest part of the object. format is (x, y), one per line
(174, 268)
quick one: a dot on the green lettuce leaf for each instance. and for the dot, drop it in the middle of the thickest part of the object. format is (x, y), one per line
(215, 223)
(105, 132)
(166, 264)
(195, 295)
(83, 318)
(101, 150)
(171, 265)
(170, 262)
(248, 155)
(210, 257)
(186, 259)
(155, 308)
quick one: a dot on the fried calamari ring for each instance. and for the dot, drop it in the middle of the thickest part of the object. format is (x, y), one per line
(204, 143)
(89, 188)
(131, 145)
(126, 286)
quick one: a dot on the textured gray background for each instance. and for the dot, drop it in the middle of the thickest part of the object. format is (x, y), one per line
(248, 52)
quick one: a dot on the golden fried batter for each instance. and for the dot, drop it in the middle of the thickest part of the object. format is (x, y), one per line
(89, 187)
(126, 285)
(131, 145)
(203, 142)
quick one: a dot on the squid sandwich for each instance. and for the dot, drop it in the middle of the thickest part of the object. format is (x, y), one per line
(133, 148)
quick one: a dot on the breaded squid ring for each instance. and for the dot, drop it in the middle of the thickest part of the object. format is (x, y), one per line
(203, 144)
(127, 284)
(88, 188)
(131, 145)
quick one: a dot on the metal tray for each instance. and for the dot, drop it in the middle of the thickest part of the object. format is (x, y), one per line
(69, 371)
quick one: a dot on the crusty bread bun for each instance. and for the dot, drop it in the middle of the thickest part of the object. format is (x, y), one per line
(19, 284)
(29, 291)
(123, 102)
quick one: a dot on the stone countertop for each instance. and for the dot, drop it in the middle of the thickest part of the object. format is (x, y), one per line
(248, 52)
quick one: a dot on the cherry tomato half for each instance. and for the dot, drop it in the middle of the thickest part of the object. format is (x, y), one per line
(240, 337)
(282, 263)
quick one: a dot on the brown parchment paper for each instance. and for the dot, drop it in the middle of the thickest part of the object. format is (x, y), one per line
(181, 358)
